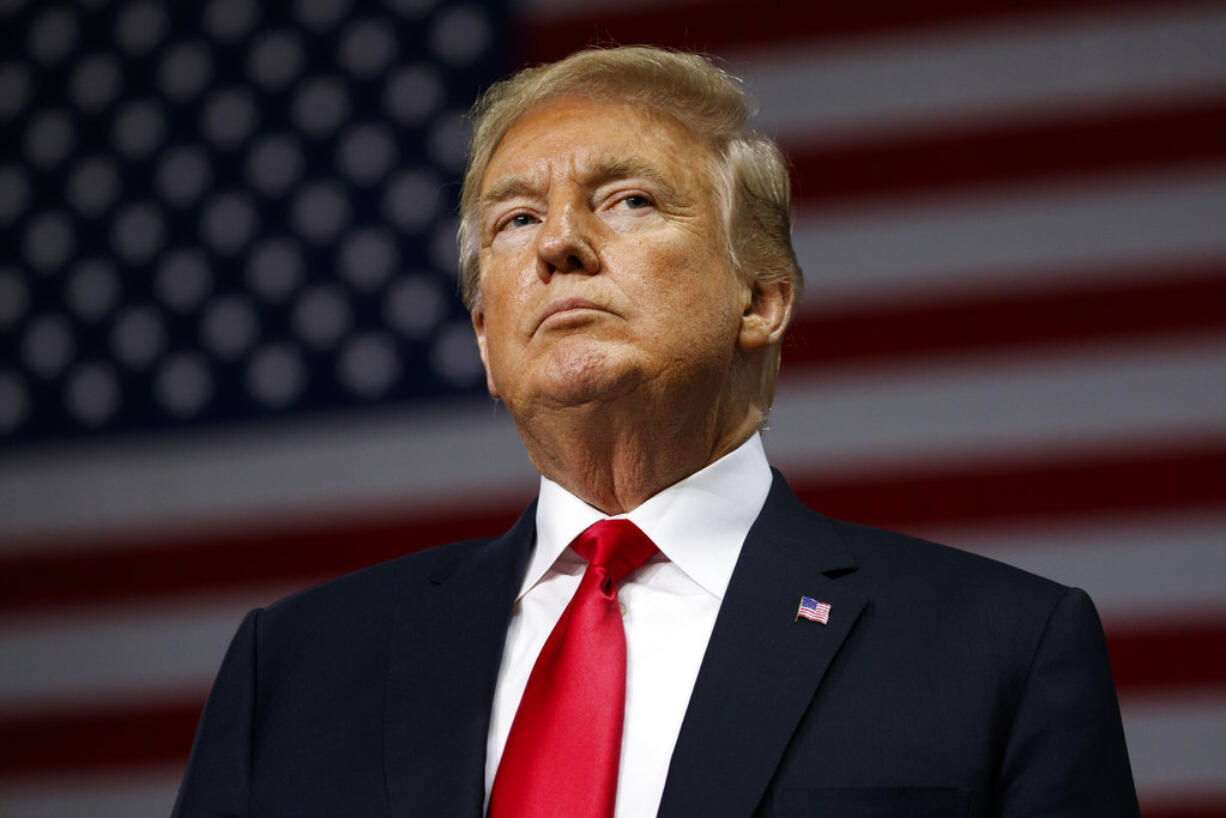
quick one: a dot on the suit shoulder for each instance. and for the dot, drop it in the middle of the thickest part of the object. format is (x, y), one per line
(947, 599)
(884, 554)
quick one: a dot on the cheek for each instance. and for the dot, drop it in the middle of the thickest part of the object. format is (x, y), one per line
(503, 295)
(688, 279)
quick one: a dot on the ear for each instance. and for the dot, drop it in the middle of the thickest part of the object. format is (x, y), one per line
(483, 348)
(767, 314)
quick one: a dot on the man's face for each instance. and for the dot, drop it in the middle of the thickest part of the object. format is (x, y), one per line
(603, 262)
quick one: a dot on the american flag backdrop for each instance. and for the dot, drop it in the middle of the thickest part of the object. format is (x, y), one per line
(233, 363)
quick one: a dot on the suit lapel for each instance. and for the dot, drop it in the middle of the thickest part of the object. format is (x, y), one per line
(762, 667)
(443, 663)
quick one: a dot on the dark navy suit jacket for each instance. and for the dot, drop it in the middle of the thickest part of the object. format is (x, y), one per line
(944, 685)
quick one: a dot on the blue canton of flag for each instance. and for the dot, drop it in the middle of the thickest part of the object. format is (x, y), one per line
(812, 609)
(232, 213)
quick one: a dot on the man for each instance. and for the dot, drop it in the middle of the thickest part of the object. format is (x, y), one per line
(625, 255)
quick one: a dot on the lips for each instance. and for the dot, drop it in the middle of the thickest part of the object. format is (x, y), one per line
(563, 305)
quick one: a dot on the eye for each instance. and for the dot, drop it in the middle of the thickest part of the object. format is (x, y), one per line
(636, 201)
(520, 220)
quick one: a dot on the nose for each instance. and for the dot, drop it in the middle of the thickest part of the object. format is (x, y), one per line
(565, 244)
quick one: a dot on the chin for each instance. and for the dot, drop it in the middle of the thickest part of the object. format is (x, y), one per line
(585, 376)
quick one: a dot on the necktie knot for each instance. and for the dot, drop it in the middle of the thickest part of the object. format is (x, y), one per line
(618, 546)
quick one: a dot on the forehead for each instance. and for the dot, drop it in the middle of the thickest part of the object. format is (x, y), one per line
(576, 135)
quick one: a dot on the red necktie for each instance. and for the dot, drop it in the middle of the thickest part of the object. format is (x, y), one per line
(562, 753)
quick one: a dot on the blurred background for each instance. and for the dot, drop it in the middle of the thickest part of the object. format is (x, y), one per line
(232, 361)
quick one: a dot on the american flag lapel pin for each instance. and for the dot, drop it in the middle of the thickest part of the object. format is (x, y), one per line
(813, 610)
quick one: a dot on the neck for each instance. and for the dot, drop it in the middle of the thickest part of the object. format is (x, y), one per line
(616, 455)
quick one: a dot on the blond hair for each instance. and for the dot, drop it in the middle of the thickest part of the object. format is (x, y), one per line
(749, 177)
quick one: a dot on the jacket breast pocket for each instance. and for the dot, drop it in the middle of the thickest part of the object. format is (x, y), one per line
(874, 802)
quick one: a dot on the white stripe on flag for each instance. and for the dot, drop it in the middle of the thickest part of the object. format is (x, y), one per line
(1137, 569)
(1177, 745)
(982, 72)
(976, 244)
(393, 458)
(1026, 404)
(133, 794)
(120, 655)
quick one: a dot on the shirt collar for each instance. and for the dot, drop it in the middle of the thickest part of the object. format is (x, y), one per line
(698, 523)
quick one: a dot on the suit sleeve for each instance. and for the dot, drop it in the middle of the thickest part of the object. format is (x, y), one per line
(218, 773)
(1065, 755)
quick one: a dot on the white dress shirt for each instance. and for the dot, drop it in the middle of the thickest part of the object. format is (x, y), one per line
(669, 608)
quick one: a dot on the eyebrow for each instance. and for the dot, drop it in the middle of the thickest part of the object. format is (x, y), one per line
(592, 174)
(628, 168)
(508, 187)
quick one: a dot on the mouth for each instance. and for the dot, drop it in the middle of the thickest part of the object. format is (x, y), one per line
(565, 307)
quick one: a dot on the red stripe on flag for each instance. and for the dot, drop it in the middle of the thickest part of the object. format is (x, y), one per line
(1170, 301)
(1190, 653)
(1213, 806)
(1026, 488)
(140, 566)
(94, 739)
(1072, 146)
(727, 25)
(307, 552)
